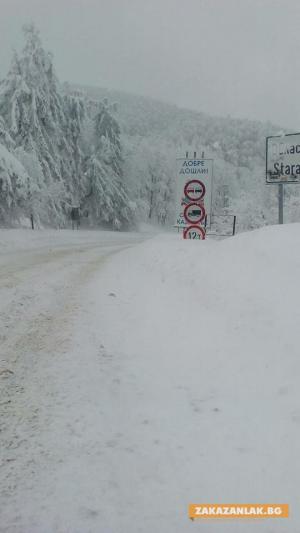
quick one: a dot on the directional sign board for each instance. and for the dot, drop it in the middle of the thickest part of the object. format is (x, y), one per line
(283, 158)
(194, 181)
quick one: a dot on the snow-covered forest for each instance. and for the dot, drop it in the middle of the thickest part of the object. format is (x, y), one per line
(58, 149)
(113, 154)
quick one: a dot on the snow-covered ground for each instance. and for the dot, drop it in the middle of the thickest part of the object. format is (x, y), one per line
(136, 381)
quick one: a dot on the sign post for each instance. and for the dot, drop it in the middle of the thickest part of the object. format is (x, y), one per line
(282, 164)
(280, 203)
(194, 192)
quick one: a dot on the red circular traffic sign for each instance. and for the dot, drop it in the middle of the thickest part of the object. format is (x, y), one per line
(194, 213)
(194, 190)
(194, 232)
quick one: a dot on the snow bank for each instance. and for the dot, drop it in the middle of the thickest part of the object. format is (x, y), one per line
(207, 336)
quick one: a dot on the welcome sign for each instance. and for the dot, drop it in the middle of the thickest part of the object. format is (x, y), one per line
(187, 170)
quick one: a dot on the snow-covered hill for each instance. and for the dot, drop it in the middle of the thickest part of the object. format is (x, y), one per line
(155, 133)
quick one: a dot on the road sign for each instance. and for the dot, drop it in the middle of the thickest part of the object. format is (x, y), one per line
(192, 170)
(283, 158)
(194, 232)
(194, 213)
(194, 190)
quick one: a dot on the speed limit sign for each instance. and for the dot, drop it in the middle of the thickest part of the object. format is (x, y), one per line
(194, 213)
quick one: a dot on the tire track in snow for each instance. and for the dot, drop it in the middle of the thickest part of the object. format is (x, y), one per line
(40, 336)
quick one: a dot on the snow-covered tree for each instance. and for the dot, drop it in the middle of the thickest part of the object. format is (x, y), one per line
(107, 197)
(14, 182)
(34, 110)
(151, 178)
(75, 113)
(5, 137)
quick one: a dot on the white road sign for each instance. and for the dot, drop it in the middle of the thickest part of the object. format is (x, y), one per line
(283, 158)
(192, 169)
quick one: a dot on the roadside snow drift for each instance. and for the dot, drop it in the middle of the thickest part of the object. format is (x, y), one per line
(208, 337)
(181, 386)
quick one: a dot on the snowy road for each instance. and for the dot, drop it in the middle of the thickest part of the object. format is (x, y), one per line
(42, 290)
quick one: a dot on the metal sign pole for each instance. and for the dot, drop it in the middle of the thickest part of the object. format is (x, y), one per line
(234, 224)
(280, 203)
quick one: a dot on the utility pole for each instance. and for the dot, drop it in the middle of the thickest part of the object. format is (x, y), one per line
(280, 203)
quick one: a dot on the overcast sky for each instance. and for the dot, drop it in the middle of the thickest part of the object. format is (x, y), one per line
(225, 57)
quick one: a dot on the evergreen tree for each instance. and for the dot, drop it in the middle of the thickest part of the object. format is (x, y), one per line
(107, 197)
(5, 137)
(34, 110)
(75, 113)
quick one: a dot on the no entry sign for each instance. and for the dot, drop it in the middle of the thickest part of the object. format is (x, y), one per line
(194, 190)
(194, 213)
(194, 232)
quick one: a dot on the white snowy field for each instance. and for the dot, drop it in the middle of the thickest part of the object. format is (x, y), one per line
(148, 378)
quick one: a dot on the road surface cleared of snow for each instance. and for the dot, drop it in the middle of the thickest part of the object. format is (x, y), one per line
(150, 378)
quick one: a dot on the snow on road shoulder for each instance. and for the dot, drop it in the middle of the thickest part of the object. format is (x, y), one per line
(206, 335)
